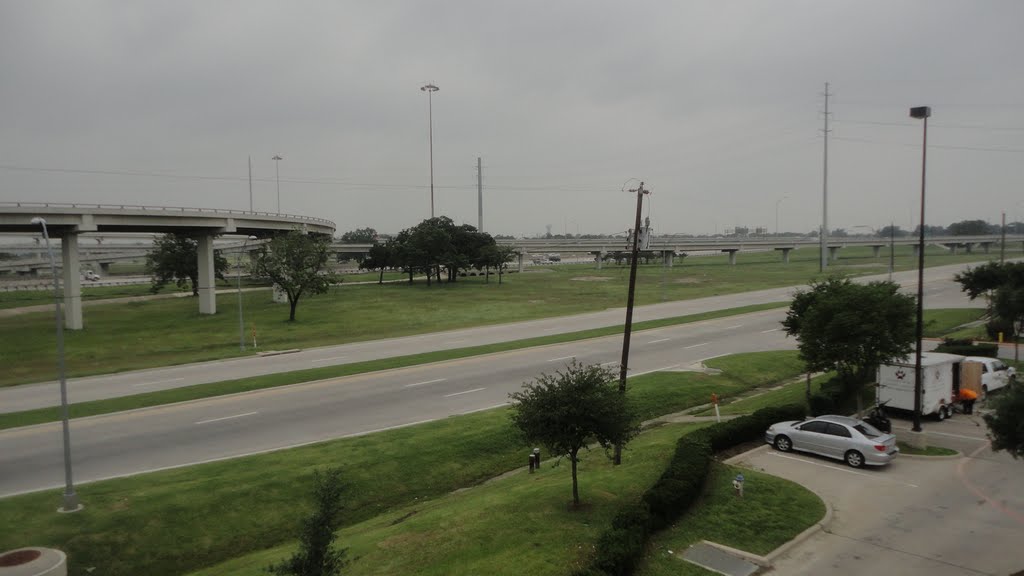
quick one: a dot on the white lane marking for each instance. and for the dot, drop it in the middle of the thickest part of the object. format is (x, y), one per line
(732, 327)
(328, 359)
(655, 370)
(226, 418)
(549, 329)
(772, 330)
(455, 341)
(696, 345)
(424, 383)
(614, 362)
(661, 340)
(464, 392)
(959, 436)
(157, 382)
(562, 358)
(838, 469)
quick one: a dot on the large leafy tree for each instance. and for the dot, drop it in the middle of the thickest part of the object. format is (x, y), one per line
(296, 262)
(381, 257)
(1003, 284)
(360, 236)
(567, 411)
(175, 258)
(851, 328)
(316, 555)
(495, 256)
(1006, 421)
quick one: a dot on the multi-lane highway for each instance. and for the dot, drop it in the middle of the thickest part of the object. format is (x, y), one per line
(181, 434)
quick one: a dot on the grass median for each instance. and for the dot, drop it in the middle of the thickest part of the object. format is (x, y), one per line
(175, 521)
(200, 391)
(136, 335)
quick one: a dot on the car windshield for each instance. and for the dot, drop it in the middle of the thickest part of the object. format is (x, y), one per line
(997, 365)
(867, 430)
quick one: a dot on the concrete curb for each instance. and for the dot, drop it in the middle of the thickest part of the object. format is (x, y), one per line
(956, 456)
(279, 352)
(768, 560)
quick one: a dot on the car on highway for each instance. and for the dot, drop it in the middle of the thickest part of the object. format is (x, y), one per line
(848, 439)
(91, 276)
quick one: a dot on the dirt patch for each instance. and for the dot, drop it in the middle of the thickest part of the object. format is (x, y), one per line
(18, 558)
(591, 278)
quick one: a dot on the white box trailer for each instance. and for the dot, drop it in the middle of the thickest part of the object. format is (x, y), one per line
(940, 376)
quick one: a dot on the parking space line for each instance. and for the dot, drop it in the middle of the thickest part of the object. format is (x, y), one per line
(464, 392)
(424, 383)
(838, 469)
(696, 345)
(978, 438)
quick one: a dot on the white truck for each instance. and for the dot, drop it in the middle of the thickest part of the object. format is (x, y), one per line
(994, 374)
(940, 376)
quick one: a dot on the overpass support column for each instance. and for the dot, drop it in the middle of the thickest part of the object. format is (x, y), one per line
(917, 248)
(876, 250)
(207, 289)
(969, 247)
(522, 262)
(833, 253)
(953, 248)
(785, 254)
(72, 282)
(986, 246)
(600, 259)
(105, 268)
(732, 256)
(668, 258)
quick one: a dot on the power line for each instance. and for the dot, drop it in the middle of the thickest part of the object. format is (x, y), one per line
(942, 146)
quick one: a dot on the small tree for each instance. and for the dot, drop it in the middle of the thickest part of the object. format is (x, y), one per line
(175, 258)
(295, 262)
(851, 328)
(566, 411)
(1003, 284)
(315, 556)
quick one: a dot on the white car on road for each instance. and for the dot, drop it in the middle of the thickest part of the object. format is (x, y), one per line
(994, 373)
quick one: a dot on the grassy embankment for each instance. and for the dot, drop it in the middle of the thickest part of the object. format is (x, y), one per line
(135, 335)
(174, 521)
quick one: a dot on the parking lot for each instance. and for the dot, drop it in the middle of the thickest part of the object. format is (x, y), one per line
(927, 516)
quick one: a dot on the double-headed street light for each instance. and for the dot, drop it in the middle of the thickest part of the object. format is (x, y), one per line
(277, 172)
(70, 503)
(238, 274)
(923, 113)
(430, 89)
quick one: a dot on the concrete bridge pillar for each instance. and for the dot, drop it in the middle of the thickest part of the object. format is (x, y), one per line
(668, 258)
(917, 249)
(876, 251)
(985, 246)
(72, 282)
(969, 247)
(953, 248)
(105, 267)
(600, 259)
(785, 254)
(833, 253)
(207, 288)
(732, 256)
(522, 262)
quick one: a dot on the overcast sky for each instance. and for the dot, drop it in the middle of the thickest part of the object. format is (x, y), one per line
(717, 106)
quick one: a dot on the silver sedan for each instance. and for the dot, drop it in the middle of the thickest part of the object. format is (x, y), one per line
(854, 441)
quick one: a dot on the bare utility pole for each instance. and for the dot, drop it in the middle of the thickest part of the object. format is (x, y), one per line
(639, 191)
(479, 196)
(250, 183)
(1002, 242)
(823, 236)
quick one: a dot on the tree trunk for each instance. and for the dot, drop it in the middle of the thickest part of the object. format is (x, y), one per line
(381, 280)
(575, 485)
(500, 270)
(293, 304)
(487, 274)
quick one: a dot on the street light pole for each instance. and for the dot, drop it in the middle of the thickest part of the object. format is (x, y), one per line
(430, 89)
(923, 113)
(238, 274)
(70, 503)
(277, 172)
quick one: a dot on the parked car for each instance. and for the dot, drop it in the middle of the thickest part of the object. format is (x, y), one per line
(848, 439)
(994, 373)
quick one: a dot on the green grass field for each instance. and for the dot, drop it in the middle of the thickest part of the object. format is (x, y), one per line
(184, 519)
(135, 335)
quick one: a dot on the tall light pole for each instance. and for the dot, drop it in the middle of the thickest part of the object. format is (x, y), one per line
(277, 172)
(923, 113)
(777, 202)
(70, 503)
(430, 89)
(241, 321)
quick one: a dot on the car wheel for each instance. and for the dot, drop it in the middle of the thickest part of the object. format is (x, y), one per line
(783, 443)
(854, 459)
(984, 391)
(942, 414)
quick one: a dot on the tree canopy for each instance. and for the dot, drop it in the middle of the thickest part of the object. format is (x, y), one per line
(175, 258)
(296, 263)
(850, 327)
(1006, 421)
(360, 236)
(1003, 284)
(570, 409)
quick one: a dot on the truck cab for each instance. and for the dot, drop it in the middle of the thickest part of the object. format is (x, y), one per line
(995, 374)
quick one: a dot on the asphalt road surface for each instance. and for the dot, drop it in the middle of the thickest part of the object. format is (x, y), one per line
(230, 426)
(928, 517)
(940, 292)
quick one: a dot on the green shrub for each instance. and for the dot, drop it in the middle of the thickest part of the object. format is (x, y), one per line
(967, 347)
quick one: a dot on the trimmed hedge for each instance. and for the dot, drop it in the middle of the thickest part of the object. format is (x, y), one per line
(620, 548)
(968, 348)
